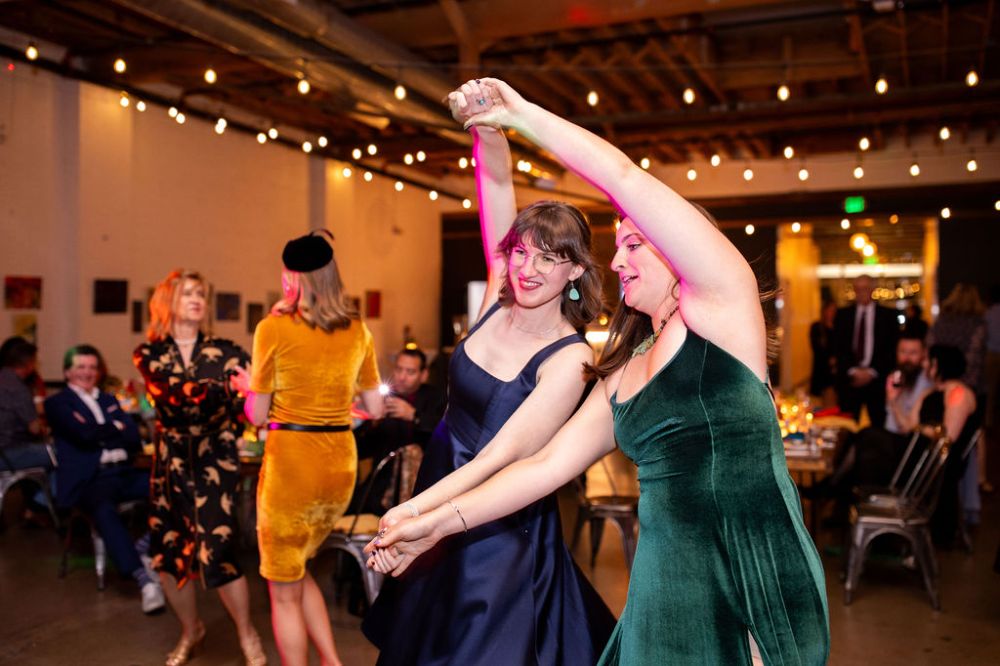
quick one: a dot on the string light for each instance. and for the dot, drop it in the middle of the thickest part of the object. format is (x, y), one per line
(996, 205)
(307, 147)
(473, 162)
(783, 92)
(692, 174)
(346, 172)
(180, 118)
(748, 174)
(220, 125)
(644, 163)
(356, 153)
(972, 78)
(367, 176)
(432, 195)
(869, 250)
(749, 229)
(463, 162)
(971, 165)
(261, 137)
(421, 156)
(398, 186)
(322, 142)
(803, 174)
(944, 133)
(120, 66)
(864, 143)
(946, 212)
(789, 152)
(408, 158)
(372, 149)
(881, 86)
(688, 96)
(303, 86)
(31, 53)
(140, 106)
(845, 224)
(123, 100)
(716, 160)
(914, 169)
(859, 241)
(272, 134)
(210, 76)
(859, 172)
(466, 204)
(400, 92)
(796, 227)
(593, 98)
(893, 219)
(172, 112)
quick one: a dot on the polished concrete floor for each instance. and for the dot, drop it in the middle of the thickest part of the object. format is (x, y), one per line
(46, 621)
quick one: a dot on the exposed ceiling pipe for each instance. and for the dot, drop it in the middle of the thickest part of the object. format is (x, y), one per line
(282, 54)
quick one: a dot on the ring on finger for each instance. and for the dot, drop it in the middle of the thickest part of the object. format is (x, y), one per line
(481, 101)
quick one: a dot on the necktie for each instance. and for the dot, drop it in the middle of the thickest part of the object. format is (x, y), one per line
(861, 336)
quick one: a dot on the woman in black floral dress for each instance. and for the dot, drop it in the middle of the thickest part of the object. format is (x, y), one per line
(196, 468)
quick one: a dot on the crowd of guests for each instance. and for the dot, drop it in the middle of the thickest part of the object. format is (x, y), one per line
(910, 377)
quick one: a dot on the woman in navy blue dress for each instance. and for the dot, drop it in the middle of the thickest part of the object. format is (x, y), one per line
(507, 592)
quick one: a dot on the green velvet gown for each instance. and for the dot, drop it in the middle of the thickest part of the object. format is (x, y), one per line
(722, 546)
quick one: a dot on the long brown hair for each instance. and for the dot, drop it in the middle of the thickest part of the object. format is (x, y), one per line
(319, 298)
(963, 300)
(629, 327)
(164, 300)
(561, 229)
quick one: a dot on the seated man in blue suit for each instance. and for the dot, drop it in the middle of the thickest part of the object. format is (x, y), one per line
(95, 441)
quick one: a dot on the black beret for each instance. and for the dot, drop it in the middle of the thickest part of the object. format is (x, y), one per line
(306, 253)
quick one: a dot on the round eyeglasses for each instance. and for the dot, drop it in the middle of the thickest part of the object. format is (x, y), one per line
(543, 263)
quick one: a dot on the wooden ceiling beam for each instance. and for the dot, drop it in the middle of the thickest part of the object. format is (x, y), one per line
(856, 41)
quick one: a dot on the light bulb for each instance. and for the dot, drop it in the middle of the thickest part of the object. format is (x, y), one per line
(466, 204)
(789, 152)
(172, 112)
(864, 143)
(272, 134)
(692, 174)
(748, 174)
(210, 76)
(688, 96)
(356, 153)
(123, 100)
(881, 86)
(346, 171)
(859, 172)
(593, 98)
(261, 137)
(716, 160)
(221, 122)
(796, 227)
(303, 86)
(845, 224)
(140, 106)
(972, 78)
(971, 165)
(463, 162)
(219, 129)
(180, 118)
(433, 195)
(372, 149)
(421, 156)
(398, 186)
(783, 92)
(368, 176)
(322, 142)
(868, 250)
(400, 92)
(120, 65)
(644, 163)
(803, 174)
(408, 158)
(749, 229)
(946, 212)
(31, 53)
(307, 147)
(944, 133)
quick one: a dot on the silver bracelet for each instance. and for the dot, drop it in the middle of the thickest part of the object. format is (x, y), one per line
(465, 525)
(414, 511)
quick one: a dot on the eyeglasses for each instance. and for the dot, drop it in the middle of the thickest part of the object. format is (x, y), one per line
(543, 263)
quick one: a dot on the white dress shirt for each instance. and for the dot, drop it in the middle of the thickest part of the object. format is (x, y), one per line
(868, 335)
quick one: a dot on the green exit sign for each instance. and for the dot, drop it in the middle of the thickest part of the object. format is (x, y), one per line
(854, 204)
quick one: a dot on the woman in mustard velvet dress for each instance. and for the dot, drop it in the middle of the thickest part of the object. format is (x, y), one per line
(310, 356)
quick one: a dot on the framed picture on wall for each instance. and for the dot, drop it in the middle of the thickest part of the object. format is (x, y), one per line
(227, 306)
(110, 296)
(138, 316)
(26, 326)
(22, 293)
(373, 304)
(255, 312)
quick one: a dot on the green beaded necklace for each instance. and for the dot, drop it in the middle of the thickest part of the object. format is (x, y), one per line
(650, 339)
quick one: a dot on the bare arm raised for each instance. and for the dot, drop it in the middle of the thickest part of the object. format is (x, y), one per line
(719, 291)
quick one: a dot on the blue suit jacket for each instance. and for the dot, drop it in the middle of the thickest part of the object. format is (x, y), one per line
(79, 439)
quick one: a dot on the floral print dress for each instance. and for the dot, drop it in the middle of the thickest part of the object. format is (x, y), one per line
(195, 471)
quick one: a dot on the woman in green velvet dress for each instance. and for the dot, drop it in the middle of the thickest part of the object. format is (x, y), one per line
(723, 550)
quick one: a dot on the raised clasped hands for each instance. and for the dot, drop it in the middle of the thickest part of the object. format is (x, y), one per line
(485, 102)
(400, 540)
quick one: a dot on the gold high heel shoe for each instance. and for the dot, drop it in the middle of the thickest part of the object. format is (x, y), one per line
(253, 651)
(187, 648)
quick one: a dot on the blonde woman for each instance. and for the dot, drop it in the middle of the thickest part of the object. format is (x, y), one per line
(310, 356)
(196, 469)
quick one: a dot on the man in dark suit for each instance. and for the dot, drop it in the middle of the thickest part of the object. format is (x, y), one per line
(413, 409)
(865, 345)
(95, 442)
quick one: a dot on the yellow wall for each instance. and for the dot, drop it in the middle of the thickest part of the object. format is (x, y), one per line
(797, 259)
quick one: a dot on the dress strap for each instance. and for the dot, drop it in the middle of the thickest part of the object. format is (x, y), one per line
(548, 350)
(482, 320)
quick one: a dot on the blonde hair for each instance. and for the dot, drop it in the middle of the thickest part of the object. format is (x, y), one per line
(319, 299)
(964, 300)
(165, 298)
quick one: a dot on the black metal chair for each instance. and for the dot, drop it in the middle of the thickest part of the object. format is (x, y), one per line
(622, 510)
(10, 477)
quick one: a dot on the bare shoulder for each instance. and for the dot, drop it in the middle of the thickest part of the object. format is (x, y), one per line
(569, 360)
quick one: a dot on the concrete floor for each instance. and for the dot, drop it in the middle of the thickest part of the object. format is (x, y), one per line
(46, 621)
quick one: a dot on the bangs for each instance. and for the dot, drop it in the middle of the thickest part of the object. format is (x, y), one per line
(551, 229)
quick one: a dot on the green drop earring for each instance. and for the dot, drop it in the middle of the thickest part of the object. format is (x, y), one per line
(574, 295)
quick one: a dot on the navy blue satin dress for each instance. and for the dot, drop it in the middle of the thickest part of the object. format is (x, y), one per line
(505, 593)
